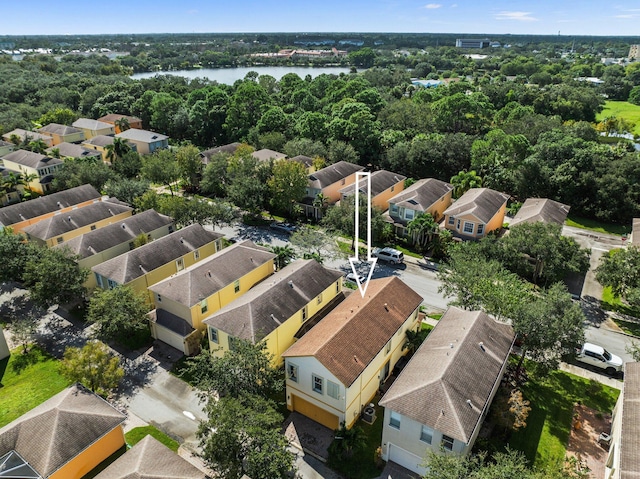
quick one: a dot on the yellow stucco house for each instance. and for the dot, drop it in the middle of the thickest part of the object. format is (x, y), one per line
(42, 168)
(183, 300)
(275, 310)
(117, 238)
(99, 143)
(336, 368)
(155, 261)
(384, 185)
(62, 227)
(62, 133)
(19, 216)
(93, 128)
(65, 437)
(476, 213)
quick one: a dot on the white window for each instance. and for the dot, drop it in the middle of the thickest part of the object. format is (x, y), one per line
(59, 239)
(319, 298)
(468, 227)
(393, 209)
(236, 285)
(426, 435)
(317, 383)
(170, 229)
(447, 442)
(99, 280)
(213, 335)
(333, 390)
(452, 220)
(409, 214)
(292, 372)
(203, 306)
(387, 348)
(158, 297)
(480, 229)
(393, 188)
(458, 226)
(304, 314)
(180, 264)
(93, 227)
(394, 420)
(131, 245)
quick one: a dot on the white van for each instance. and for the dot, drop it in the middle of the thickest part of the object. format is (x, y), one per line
(391, 255)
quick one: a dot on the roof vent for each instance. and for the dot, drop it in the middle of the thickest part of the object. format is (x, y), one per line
(386, 307)
(69, 218)
(290, 283)
(481, 344)
(355, 358)
(123, 226)
(181, 240)
(140, 266)
(209, 273)
(451, 345)
(469, 403)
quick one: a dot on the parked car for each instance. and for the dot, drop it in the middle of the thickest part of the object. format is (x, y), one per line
(599, 357)
(283, 227)
(352, 277)
(390, 255)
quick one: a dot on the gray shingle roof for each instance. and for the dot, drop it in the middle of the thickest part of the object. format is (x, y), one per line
(71, 220)
(133, 264)
(22, 134)
(351, 335)
(172, 322)
(58, 129)
(31, 159)
(204, 278)
(46, 204)
(483, 203)
(630, 438)
(89, 124)
(541, 209)
(150, 459)
(381, 180)
(56, 431)
(145, 136)
(207, 154)
(307, 161)
(100, 140)
(422, 194)
(71, 150)
(266, 154)
(460, 361)
(332, 173)
(267, 305)
(123, 231)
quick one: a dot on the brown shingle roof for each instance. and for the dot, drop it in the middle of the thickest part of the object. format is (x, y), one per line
(56, 431)
(483, 203)
(202, 279)
(113, 117)
(150, 459)
(540, 209)
(332, 173)
(263, 308)
(349, 337)
(449, 379)
(422, 194)
(133, 264)
(630, 438)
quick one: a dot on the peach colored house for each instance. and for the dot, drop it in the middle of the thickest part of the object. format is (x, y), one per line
(65, 437)
(328, 182)
(62, 133)
(112, 118)
(384, 185)
(476, 213)
(23, 135)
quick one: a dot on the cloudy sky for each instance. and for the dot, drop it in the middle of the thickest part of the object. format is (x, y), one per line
(548, 17)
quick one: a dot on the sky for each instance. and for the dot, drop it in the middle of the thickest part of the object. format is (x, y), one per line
(545, 17)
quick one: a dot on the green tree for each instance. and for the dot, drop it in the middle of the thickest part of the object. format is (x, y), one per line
(62, 116)
(620, 270)
(53, 276)
(117, 150)
(190, 165)
(215, 178)
(24, 326)
(120, 314)
(248, 186)
(94, 366)
(245, 108)
(284, 255)
(313, 244)
(161, 167)
(634, 95)
(464, 181)
(347, 442)
(422, 228)
(84, 171)
(287, 185)
(126, 189)
(16, 252)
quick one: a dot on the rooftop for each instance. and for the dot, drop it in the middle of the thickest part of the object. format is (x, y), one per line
(71, 150)
(58, 129)
(422, 194)
(332, 173)
(483, 203)
(145, 136)
(381, 181)
(31, 159)
(630, 439)
(540, 209)
(89, 124)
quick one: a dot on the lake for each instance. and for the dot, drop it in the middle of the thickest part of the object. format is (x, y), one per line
(229, 76)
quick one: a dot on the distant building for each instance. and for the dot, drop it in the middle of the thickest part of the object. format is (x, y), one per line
(472, 43)
(426, 83)
(634, 52)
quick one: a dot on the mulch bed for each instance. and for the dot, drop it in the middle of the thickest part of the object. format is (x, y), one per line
(583, 441)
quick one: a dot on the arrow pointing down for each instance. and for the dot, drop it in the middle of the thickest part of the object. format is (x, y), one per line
(356, 259)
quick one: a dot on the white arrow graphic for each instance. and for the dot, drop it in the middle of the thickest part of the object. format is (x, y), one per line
(371, 261)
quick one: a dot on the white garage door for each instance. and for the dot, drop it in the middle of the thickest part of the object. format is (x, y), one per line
(406, 459)
(167, 336)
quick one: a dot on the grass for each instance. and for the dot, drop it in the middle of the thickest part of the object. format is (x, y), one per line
(137, 434)
(610, 302)
(621, 109)
(407, 251)
(362, 465)
(597, 226)
(546, 435)
(27, 380)
(435, 316)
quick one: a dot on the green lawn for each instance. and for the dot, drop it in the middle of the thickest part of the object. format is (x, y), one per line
(553, 397)
(614, 303)
(137, 434)
(26, 381)
(621, 109)
(598, 226)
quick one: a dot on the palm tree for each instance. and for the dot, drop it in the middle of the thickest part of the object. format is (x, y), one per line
(37, 146)
(117, 149)
(25, 180)
(11, 182)
(122, 124)
(348, 441)
(422, 228)
(464, 181)
(284, 255)
(321, 203)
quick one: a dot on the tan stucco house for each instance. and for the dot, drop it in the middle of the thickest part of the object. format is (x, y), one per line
(146, 141)
(92, 128)
(62, 133)
(476, 213)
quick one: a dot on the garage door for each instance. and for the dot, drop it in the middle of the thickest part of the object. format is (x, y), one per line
(314, 412)
(406, 459)
(167, 336)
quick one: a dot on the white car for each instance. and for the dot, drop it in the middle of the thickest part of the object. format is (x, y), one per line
(601, 358)
(352, 277)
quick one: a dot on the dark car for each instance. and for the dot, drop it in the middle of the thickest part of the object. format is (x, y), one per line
(283, 227)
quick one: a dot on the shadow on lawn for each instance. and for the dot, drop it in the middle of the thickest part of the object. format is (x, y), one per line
(23, 360)
(3, 367)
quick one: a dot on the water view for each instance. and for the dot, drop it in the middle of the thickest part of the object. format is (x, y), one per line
(230, 75)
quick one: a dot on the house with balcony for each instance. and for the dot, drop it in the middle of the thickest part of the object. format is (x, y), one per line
(145, 141)
(153, 262)
(92, 128)
(60, 228)
(65, 437)
(336, 368)
(623, 461)
(545, 210)
(185, 299)
(274, 310)
(26, 136)
(442, 396)
(476, 213)
(424, 196)
(40, 168)
(384, 185)
(66, 151)
(115, 119)
(62, 133)
(100, 245)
